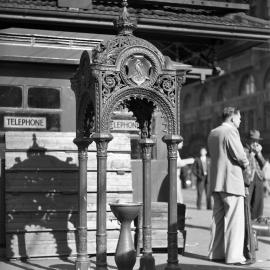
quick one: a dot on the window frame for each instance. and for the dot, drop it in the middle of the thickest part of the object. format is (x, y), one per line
(245, 78)
(25, 110)
(22, 100)
(27, 87)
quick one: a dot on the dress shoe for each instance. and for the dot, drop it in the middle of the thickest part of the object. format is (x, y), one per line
(218, 260)
(247, 262)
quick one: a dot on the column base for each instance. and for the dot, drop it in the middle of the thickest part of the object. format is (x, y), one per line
(147, 262)
(82, 265)
(172, 266)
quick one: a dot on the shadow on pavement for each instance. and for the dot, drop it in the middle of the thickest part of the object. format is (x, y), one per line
(93, 265)
(18, 266)
(41, 204)
(267, 242)
(30, 265)
(61, 267)
(197, 227)
(195, 256)
(208, 267)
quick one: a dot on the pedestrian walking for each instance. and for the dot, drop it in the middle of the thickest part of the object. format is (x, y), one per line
(200, 169)
(228, 158)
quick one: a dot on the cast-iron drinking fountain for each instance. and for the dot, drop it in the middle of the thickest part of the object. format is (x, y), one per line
(125, 255)
(130, 72)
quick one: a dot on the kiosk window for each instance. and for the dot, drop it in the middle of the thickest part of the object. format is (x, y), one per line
(10, 96)
(40, 97)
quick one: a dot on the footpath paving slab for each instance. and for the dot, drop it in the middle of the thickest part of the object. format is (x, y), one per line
(195, 256)
(189, 262)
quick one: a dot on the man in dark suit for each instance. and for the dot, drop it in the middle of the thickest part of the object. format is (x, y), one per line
(256, 176)
(254, 179)
(200, 169)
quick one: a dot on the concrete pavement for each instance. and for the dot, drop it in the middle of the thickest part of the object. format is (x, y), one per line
(195, 257)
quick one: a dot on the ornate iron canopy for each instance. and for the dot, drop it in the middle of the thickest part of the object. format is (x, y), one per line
(131, 72)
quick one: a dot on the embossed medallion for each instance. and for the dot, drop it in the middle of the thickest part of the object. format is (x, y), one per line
(138, 69)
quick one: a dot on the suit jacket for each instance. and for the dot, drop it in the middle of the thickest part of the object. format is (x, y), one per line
(197, 168)
(228, 158)
(256, 170)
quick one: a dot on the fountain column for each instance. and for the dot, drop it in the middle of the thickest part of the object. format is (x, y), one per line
(102, 140)
(147, 261)
(82, 261)
(172, 142)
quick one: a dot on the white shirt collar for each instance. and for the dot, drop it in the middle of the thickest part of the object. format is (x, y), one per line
(229, 125)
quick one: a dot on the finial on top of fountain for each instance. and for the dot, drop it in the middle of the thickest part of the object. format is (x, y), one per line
(124, 24)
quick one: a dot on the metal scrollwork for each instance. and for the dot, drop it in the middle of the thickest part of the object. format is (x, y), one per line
(110, 82)
(108, 53)
(167, 84)
(180, 79)
(148, 94)
(146, 151)
(82, 154)
(96, 87)
(172, 150)
(172, 141)
(145, 129)
(89, 121)
(102, 146)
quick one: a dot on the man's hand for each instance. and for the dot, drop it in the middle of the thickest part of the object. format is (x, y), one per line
(256, 148)
(247, 175)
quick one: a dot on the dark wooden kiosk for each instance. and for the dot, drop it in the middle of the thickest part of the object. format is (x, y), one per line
(130, 72)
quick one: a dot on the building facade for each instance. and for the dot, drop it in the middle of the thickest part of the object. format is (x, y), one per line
(244, 83)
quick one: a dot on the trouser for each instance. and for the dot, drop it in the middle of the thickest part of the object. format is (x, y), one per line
(202, 185)
(250, 236)
(256, 195)
(228, 227)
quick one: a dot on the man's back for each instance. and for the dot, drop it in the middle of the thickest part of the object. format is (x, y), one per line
(227, 156)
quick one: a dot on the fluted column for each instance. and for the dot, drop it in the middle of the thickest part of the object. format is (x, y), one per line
(102, 140)
(82, 261)
(172, 141)
(147, 261)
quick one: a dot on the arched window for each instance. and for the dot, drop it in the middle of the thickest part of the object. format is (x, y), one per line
(205, 98)
(267, 80)
(187, 102)
(222, 92)
(247, 86)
